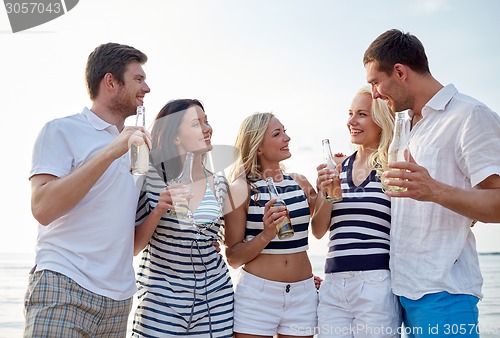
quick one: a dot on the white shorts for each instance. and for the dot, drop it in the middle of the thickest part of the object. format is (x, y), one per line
(358, 304)
(263, 307)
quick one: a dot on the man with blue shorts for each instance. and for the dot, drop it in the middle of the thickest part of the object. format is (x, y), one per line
(451, 180)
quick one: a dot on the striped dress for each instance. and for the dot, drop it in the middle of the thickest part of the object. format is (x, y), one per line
(184, 284)
(360, 225)
(299, 212)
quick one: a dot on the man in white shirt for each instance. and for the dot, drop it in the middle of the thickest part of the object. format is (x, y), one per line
(85, 198)
(452, 179)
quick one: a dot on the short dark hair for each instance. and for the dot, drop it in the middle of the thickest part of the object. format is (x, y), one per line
(109, 58)
(395, 46)
(164, 154)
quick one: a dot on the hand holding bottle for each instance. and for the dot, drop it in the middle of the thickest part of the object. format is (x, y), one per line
(273, 216)
(332, 187)
(325, 177)
(138, 137)
(284, 228)
(415, 180)
(174, 193)
(181, 206)
(139, 150)
(121, 144)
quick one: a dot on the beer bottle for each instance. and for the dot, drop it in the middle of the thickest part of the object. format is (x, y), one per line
(186, 178)
(285, 228)
(333, 190)
(399, 148)
(139, 154)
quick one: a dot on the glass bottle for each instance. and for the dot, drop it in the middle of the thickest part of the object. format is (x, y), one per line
(139, 154)
(333, 190)
(399, 148)
(285, 228)
(181, 209)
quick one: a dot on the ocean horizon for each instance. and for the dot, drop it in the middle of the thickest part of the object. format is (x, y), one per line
(14, 269)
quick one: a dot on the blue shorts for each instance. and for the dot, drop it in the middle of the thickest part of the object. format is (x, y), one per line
(441, 314)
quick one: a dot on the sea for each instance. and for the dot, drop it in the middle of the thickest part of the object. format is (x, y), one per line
(14, 270)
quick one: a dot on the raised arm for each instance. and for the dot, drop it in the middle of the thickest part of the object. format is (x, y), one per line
(320, 220)
(52, 197)
(239, 251)
(145, 230)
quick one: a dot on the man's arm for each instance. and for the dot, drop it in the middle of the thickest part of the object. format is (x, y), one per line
(478, 204)
(52, 197)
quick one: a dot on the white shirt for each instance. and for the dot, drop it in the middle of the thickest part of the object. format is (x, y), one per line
(93, 243)
(433, 248)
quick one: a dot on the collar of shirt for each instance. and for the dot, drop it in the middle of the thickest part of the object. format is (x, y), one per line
(440, 99)
(97, 122)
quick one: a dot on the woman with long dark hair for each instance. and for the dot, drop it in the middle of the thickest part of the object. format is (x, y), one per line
(184, 284)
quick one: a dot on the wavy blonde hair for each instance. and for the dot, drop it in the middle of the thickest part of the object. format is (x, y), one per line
(384, 118)
(250, 137)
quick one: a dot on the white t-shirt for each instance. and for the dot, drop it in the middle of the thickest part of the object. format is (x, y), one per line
(93, 243)
(433, 248)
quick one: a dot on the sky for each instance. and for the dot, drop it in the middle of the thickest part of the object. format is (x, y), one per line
(300, 59)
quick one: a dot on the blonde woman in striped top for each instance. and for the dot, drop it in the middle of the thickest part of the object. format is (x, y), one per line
(356, 300)
(275, 293)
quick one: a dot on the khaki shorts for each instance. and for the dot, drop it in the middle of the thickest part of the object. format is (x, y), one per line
(263, 307)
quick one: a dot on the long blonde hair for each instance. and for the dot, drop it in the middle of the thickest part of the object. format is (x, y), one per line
(250, 137)
(384, 118)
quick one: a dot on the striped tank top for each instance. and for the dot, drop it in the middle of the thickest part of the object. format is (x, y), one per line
(184, 285)
(298, 208)
(360, 225)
